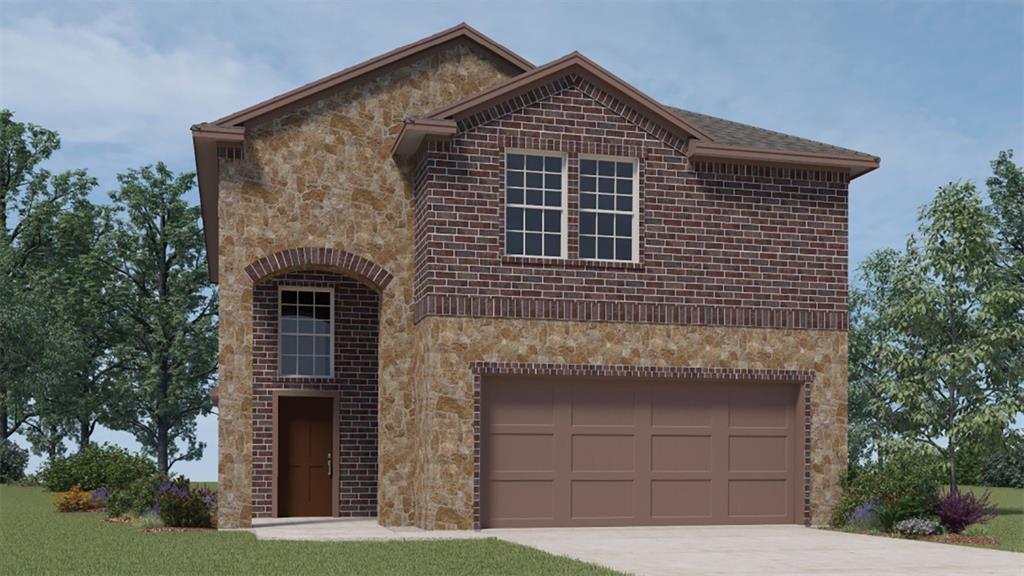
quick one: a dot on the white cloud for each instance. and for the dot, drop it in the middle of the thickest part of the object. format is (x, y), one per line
(98, 83)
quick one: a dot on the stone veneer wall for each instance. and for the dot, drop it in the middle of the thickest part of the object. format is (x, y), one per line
(356, 308)
(321, 175)
(446, 348)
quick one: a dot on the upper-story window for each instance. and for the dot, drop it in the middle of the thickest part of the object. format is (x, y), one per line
(609, 227)
(535, 215)
(306, 329)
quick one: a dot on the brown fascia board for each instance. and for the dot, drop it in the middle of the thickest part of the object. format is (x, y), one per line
(568, 63)
(857, 165)
(414, 131)
(205, 138)
(306, 91)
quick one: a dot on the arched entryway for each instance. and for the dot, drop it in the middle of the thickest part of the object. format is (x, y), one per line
(315, 375)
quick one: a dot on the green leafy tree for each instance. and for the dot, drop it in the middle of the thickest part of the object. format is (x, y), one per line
(84, 298)
(166, 307)
(937, 333)
(31, 200)
(1006, 189)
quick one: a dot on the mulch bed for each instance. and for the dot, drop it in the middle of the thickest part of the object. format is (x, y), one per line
(119, 520)
(963, 539)
(170, 529)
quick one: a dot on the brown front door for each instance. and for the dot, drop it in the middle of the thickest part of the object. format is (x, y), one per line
(304, 455)
(612, 452)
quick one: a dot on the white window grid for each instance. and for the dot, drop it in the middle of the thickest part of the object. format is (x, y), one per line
(561, 209)
(299, 333)
(634, 208)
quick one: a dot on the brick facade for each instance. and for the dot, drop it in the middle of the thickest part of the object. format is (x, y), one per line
(721, 244)
(356, 310)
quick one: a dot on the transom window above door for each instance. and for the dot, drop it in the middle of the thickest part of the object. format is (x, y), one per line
(535, 215)
(306, 332)
(609, 226)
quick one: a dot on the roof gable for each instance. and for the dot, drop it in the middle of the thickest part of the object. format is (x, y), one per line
(571, 63)
(318, 87)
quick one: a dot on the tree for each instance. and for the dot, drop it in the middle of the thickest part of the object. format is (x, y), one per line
(166, 307)
(1006, 189)
(85, 302)
(31, 199)
(937, 337)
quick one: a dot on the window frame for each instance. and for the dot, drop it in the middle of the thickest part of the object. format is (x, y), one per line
(564, 250)
(280, 331)
(635, 213)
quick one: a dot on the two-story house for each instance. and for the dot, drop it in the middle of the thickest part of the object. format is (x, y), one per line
(459, 290)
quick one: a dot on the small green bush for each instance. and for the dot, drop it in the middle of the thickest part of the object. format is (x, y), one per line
(136, 499)
(903, 484)
(182, 506)
(13, 460)
(96, 467)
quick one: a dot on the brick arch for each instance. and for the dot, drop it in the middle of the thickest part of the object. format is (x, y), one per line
(308, 257)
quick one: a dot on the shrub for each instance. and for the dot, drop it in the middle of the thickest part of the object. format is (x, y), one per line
(864, 516)
(75, 500)
(13, 460)
(958, 510)
(1005, 467)
(137, 499)
(904, 484)
(96, 467)
(917, 527)
(181, 506)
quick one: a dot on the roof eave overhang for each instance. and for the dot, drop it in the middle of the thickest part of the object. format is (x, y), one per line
(205, 140)
(857, 165)
(415, 131)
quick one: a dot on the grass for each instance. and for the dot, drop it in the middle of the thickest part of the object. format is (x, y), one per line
(1008, 525)
(36, 540)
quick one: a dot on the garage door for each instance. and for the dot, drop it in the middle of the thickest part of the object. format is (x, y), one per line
(604, 452)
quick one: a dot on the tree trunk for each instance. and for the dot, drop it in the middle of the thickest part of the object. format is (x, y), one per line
(4, 433)
(84, 433)
(953, 488)
(161, 448)
(951, 450)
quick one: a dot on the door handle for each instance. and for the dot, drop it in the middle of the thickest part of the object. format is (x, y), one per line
(330, 467)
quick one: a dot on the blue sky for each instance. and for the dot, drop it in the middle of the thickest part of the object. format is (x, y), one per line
(934, 88)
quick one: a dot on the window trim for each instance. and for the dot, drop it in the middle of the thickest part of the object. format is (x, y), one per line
(565, 203)
(635, 259)
(280, 331)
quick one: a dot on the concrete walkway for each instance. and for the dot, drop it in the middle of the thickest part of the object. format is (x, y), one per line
(762, 551)
(685, 550)
(347, 530)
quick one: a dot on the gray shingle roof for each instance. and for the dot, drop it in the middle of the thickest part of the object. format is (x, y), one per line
(736, 134)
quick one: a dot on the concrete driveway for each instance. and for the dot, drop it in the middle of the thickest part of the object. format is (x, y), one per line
(760, 550)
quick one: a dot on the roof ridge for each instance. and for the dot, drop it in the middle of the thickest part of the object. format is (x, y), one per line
(461, 30)
(588, 66)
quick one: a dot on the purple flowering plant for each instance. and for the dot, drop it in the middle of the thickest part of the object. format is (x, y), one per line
(865, 515)
(101, 495)
(180, 505)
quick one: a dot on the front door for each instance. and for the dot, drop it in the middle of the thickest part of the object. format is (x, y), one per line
(305, 472)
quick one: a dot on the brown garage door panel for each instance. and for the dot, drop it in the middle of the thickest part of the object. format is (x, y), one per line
(608, 452)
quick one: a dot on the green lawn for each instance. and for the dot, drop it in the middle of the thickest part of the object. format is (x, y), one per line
(1008, 526)
(36, 540)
